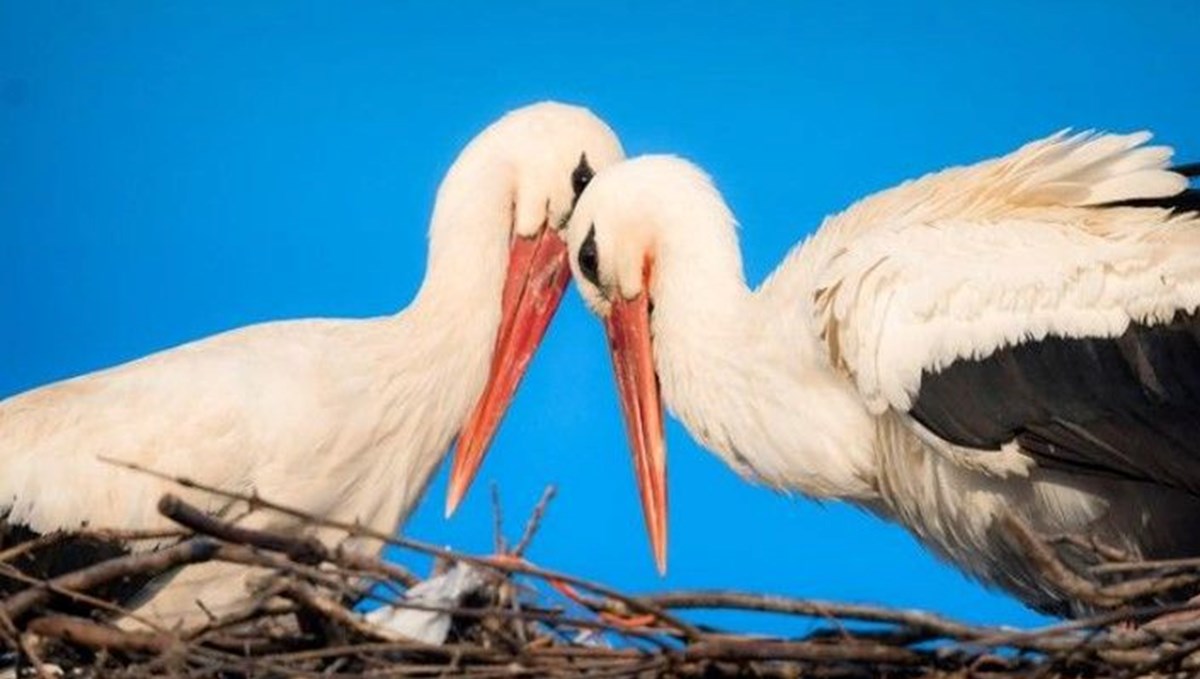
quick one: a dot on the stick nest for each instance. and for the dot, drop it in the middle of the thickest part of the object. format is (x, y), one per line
(528, 621)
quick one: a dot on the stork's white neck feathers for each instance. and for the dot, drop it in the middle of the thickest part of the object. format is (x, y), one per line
(432, 357)
(467, 241)
(717, 343)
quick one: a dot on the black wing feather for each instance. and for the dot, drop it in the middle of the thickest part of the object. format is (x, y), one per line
(1188, 170)
(1127, 406)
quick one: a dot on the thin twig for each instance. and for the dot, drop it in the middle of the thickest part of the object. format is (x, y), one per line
(1051, 567)
(535, 520)
(715, 599)
(498, 545)
(791, 650)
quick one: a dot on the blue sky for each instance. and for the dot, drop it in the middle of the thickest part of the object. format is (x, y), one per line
(171, 170)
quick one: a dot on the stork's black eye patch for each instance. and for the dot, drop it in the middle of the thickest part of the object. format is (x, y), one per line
(589, 261)
(581, 176)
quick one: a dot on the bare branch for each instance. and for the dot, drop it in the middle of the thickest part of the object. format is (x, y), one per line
(302, 550)
(535, 520)
(97, 636)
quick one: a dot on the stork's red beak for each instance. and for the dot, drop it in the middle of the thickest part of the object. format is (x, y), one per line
(628, 327)
(538, 272)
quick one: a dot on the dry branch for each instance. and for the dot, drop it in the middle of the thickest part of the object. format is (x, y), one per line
(97, 636)
(308, 550)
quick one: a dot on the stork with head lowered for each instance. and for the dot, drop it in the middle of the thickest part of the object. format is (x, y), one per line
(1016, 336)
(345, 419)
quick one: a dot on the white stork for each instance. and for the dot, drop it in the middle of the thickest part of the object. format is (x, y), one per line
(1018, 335)
(347, 418)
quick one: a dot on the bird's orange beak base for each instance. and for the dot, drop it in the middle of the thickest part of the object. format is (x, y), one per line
(538, 271)
(628, 328)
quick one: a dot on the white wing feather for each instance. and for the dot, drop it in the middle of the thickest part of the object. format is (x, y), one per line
(963, 262)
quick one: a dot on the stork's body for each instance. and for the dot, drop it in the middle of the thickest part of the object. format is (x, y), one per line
(303, 411)
(345, 419)
(1015, 336)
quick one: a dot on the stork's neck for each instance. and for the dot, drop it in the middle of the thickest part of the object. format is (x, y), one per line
(409, 382)
(742, 370)
(428, 364)
(418, 375)
(451, 326)
(469, 236)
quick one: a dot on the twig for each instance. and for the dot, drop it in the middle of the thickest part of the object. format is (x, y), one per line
(307, 550)
(1075, 586)
(1051, 567)
(29, 546)
(279, 564)
(194, 550)
(926, 622)
(1165, 660)
(18, 641)
(1142, 566)
(97, 636)
(498, 545)
(791, 650)
(1090, 544)
(535, 520)
(305, 596)
(116, 610)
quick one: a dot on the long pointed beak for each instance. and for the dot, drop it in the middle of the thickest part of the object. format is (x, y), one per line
(628, 327)
(538, 271)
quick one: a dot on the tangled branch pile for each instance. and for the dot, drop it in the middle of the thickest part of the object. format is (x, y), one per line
(517, 619)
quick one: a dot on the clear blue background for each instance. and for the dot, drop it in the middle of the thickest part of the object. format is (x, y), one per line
(170, 170)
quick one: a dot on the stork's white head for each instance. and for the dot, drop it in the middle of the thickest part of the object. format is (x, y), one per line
(554, 149)
(654, 222)
(514, 186)
(645, 232)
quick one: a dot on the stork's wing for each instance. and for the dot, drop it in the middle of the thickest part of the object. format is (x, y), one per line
(1047, 297)
(1128, 405)
(194, 411)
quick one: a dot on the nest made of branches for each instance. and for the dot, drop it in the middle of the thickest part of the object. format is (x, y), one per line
(528, 621)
